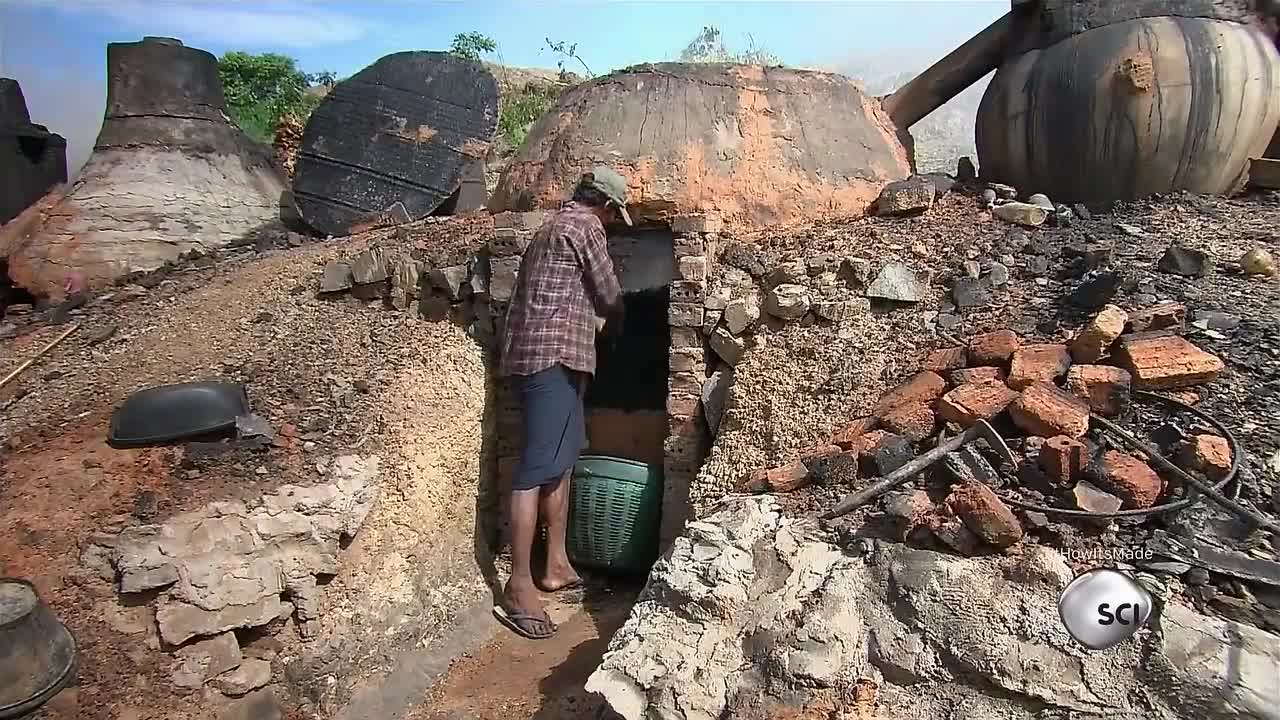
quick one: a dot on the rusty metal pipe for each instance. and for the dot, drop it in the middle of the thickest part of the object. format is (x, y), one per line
(961, 68)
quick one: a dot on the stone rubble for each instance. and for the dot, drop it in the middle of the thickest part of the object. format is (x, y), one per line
(238, 565)
(753, 615)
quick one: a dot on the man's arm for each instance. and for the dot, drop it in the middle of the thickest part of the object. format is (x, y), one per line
(598, 276)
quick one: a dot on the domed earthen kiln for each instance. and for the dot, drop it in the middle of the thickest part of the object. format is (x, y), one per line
(170, 173)
(753, 145)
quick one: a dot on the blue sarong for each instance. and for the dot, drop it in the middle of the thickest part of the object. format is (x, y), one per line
(555, 430)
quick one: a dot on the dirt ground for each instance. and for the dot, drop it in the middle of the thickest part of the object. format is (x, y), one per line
(330, 377)
(338, 377)
(512, 678)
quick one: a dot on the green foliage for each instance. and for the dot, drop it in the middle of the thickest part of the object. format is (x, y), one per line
(472, 45)
(263, 89)
(709, 47)
(521, 110)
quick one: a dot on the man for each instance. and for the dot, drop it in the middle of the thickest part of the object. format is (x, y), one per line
(566, 285)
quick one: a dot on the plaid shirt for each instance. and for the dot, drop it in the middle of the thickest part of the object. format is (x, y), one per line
(566, 280)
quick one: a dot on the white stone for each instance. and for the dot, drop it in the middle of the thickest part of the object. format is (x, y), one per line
(787, 302)
(249, 676)
(752, 609)
(727, 346)
(741, 315)
(196, 663)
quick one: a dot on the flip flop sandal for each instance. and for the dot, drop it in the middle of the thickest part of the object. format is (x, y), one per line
(523, 624)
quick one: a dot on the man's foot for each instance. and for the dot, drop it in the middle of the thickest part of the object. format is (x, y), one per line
(522, 611)
(559, 577)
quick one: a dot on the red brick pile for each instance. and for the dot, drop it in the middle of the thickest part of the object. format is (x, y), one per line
(1044, 392)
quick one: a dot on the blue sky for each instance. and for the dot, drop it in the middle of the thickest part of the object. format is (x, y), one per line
(57, 48)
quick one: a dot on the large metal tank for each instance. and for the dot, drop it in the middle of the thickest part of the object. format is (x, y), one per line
(1100, 101)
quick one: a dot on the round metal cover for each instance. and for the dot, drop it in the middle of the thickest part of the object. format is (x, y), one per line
(394, 139)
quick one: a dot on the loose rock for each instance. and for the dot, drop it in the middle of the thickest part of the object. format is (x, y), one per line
(889, 453)
(1186, 261)
(1169, 316)
(741, 315)
(370, 266)
(909, 510)
(969, 293)
(1096, 338)
(249, 676)
(1097, 291)
(1258, 262)
(452, 280)
(727, 346)
(897, 282)
(842, 311)
(906, 197)
(1090, 497)
(336, 277)
(789, 273)
(999, 274)
(1023, 214)
(197, 663)
(787, 302)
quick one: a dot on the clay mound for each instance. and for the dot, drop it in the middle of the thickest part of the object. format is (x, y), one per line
(755, 145)
(169, 174)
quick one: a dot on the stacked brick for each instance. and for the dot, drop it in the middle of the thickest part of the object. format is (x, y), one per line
(686, 444)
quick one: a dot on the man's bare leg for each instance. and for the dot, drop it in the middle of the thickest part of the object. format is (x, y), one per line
(553, 503)
(520, 593)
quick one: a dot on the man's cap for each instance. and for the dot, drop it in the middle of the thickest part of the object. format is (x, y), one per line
(613, 186)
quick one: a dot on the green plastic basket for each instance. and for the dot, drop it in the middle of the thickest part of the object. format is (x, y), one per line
(615, 506)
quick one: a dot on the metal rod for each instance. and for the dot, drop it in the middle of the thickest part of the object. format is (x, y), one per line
(1205, 488)
(901, 475)
(43, 351)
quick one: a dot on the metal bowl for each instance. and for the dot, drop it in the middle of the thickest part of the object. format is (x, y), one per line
(36, 651)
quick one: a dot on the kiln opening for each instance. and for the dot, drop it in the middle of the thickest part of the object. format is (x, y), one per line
(626, 403)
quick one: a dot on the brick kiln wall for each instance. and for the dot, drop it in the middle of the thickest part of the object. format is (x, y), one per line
(473, 286)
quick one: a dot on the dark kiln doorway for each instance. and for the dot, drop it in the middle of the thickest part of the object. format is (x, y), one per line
(627, 401)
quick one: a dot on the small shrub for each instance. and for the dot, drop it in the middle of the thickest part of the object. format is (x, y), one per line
(521, 110)
(472, 45)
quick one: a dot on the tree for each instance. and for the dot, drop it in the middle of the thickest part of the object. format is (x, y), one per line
(709, 47)
(262, 89)
(472, 45)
